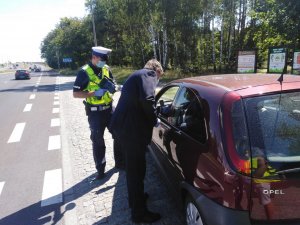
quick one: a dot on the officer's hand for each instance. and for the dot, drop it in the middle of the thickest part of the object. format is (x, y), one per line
(100, 92)
(157, 122)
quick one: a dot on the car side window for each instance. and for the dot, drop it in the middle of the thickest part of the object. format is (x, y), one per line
(165, 100)
(188, 115)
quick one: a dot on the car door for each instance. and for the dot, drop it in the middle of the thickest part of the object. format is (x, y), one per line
(185, 136)
(164, 101)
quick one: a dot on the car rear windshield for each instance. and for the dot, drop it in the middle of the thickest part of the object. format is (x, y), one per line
(273, 123)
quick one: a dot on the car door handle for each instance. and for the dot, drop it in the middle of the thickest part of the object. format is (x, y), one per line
(160, 134)
(178, 132)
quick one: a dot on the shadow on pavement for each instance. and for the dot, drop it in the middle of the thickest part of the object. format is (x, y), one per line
(120, 212)
(37, 215)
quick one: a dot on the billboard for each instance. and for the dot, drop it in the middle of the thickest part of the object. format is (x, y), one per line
(277, 60)
(296, 62)
(246, 62)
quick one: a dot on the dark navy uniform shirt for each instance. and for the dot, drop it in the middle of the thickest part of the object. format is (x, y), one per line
(82, 79)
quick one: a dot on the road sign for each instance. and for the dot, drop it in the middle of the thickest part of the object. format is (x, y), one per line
(296, 62)
(247, 62)
(67, 60)
(277, 60)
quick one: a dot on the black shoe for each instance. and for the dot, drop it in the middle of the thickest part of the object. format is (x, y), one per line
(148, 217)
(100, 176)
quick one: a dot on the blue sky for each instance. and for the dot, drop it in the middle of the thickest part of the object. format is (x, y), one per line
(25, 23)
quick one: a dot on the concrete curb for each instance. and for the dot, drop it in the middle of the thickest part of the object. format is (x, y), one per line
(70, 216)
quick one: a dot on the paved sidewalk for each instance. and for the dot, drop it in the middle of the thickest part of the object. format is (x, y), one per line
(102, 202)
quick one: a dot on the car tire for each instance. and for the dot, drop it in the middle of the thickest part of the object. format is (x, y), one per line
(192, 213)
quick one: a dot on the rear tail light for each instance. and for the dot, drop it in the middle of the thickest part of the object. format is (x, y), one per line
(235, 132)
(244, 166)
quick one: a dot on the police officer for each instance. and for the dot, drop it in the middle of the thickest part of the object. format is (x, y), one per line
(98, 103)
(132, 124)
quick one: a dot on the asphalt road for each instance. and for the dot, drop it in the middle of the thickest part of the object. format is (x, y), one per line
(30, 157)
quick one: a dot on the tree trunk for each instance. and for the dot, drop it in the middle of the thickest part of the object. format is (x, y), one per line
(159, 46)
(221, 45)
(176, 51)
(153, 41)
(213, 39)
(165, 43)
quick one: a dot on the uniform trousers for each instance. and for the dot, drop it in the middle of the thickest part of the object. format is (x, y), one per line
(98, 121)
(135, 156)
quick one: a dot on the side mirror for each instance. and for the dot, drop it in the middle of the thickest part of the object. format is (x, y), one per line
(183, 126)
(161, 103)
(159, 107)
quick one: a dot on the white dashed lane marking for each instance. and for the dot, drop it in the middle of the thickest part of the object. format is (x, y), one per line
(52, 188)
(32, 96)
(55, 110)
(1, 186)
(17, 133)
(56, 103)
(27, 108)
(55, 122)
(56, 98)
(54, 142)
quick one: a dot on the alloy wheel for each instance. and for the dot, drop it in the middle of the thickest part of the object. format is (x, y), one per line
(192, 215)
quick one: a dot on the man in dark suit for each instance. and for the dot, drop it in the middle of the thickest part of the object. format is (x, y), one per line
(132, 124)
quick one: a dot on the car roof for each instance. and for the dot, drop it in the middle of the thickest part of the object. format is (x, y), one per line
(232, 82)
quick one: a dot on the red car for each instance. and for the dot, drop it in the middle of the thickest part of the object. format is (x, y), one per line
(229, 146)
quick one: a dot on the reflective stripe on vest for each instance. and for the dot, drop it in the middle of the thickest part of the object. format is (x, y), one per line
(93, 85)
(267, 173)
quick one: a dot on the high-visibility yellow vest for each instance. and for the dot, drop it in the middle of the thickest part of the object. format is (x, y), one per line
(93, 85)
(267, 173)
(270, 171)
(252, 165)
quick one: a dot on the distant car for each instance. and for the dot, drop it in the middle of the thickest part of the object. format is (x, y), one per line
(38, 69)
(229, 145)
(22, 74)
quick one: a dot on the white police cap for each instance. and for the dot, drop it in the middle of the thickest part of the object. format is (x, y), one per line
(101, 51)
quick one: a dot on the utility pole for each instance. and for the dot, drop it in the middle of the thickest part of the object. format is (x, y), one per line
(57, 56)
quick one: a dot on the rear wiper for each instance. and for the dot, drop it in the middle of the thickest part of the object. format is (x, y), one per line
(288, 171)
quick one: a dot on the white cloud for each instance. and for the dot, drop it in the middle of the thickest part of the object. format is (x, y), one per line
(23, 29)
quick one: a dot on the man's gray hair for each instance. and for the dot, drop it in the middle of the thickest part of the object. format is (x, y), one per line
(153, 64)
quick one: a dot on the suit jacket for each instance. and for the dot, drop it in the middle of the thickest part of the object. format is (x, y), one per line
(135, 115)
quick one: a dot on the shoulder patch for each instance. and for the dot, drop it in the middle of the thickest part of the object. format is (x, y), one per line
(85, 67)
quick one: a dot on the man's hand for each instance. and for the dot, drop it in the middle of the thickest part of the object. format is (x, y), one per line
(157, 122)
(100, 92)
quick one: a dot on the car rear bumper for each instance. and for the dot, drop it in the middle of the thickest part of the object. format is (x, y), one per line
(22, 77)
(214, 213)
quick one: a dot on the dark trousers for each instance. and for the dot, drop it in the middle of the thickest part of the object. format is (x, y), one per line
(118, 154)
(98, 121)
(135, 173)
